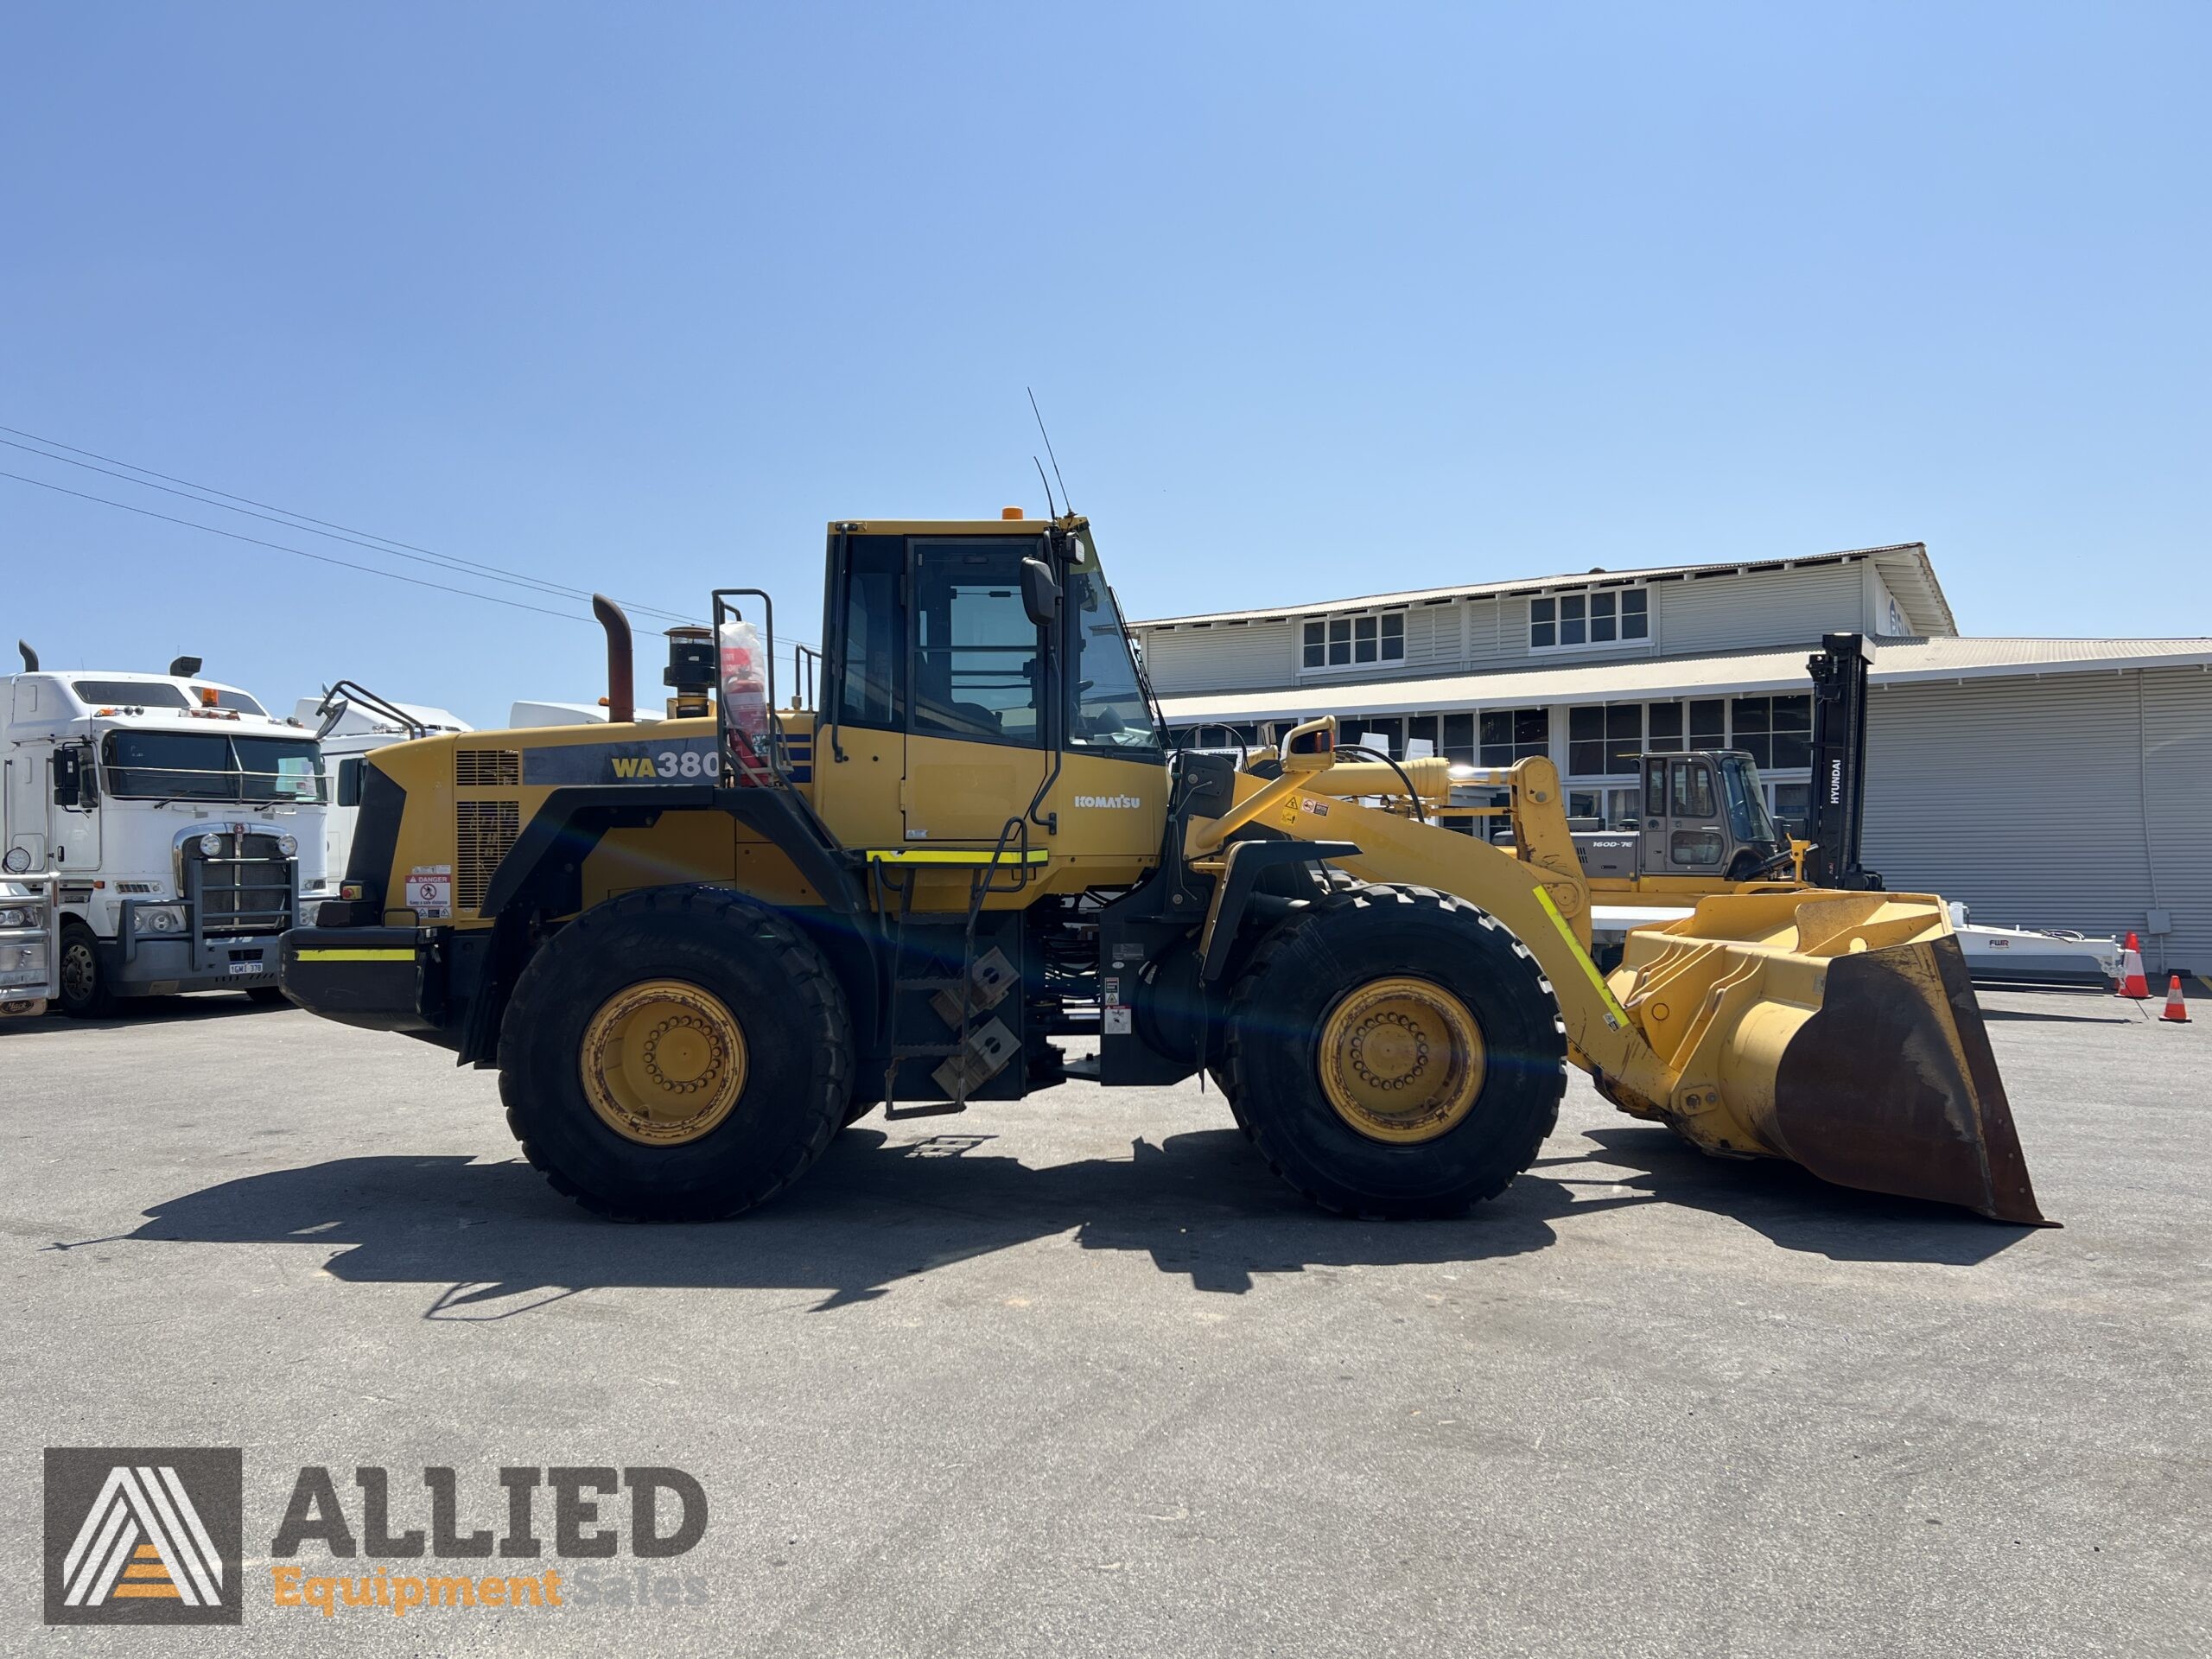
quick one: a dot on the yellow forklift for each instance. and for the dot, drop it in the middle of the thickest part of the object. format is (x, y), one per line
(694, 951)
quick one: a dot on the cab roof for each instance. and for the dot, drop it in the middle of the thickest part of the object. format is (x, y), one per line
(1023, 527)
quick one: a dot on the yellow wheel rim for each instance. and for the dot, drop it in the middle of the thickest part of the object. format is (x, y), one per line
(1402, 1060)
(663, 1062)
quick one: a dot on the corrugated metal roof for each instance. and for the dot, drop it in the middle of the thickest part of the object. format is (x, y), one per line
(1895, 662)
(1904, 567)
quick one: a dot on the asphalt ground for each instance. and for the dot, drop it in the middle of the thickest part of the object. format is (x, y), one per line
(1076, 1376)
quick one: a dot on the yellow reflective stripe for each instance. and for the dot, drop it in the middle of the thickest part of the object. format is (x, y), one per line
(407, 955)
(1616, 1015)
(942, 855)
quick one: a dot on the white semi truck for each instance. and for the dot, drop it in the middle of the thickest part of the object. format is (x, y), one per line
(181, 821)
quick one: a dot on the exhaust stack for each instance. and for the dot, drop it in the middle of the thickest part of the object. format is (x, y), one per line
(621, 686)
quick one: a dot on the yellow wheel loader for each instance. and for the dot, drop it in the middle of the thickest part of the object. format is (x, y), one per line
(696, 949)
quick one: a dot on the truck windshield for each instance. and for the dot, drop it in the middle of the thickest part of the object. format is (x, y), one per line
(1110, 711)
(211, 766)
(1747, 815)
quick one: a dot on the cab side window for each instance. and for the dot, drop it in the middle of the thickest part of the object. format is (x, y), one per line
(979, 666)
(1693, 788)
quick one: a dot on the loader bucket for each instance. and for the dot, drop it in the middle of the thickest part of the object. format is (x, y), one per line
(1836, 1029)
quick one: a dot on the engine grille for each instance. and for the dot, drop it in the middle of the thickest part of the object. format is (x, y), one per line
(486, 768)
(246, 887)
(483, 831)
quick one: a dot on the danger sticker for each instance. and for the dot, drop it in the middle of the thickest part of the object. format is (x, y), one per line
(429, 890)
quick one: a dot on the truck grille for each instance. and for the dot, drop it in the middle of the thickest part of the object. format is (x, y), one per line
(483, 831)
(244, 888)
(486, 768)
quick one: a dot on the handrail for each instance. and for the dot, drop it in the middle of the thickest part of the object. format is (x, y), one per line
(352, 691)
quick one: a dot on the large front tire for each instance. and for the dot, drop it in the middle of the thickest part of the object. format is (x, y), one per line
(675, 1054)
(1394, 1052)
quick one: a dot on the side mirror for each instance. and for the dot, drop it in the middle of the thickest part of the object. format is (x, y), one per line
(1040, 593)
(68, 777)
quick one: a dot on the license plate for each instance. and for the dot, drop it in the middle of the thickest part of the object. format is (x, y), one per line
(246, 968)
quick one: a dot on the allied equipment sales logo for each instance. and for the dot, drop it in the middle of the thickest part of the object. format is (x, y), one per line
(143, 1534)
(151, 1536)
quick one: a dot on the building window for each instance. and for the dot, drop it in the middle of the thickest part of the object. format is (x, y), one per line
(1511, 735)
(1605, 742)
(1343, 641)
(1664, 720)
(1776, 732)
(1385, 733)
(1708, 724)
(1601, 618)
(1459, 738)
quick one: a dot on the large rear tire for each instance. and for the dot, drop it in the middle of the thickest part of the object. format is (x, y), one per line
(675, 1054)
(1394, 1052)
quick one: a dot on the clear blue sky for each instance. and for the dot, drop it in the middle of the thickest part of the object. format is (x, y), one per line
(1317, 301)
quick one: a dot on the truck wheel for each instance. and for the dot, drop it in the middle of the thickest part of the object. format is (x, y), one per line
(1394, 1052)
(85, 991)
(675, 1054)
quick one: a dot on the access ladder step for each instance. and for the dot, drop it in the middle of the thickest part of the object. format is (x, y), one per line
(937, 1108)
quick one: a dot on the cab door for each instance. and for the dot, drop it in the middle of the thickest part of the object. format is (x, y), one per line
(1694, 838)
(73, 802)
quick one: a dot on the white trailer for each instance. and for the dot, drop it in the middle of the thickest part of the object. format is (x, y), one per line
(349, 721)
(181, 821)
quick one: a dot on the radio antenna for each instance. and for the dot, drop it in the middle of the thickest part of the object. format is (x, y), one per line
(1051, 511)
(1047, 436)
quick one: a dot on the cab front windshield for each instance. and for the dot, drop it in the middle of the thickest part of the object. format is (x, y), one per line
(1748, 818)
(211, 766)
(1110, 711)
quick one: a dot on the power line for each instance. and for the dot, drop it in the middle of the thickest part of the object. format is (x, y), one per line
(320, 558)
(375, 543)
(313, 526)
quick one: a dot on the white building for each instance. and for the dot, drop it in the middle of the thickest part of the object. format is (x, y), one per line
(2053, 782)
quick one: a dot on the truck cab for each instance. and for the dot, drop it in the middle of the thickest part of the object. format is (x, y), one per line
(1704, 817)
(181, 821)
(1704, 827)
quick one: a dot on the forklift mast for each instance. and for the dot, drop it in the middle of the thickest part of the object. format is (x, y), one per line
(1838, 765)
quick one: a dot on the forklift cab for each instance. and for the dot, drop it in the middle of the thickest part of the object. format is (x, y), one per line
(1705, 813)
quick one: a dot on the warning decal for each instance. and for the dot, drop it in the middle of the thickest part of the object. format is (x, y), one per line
(429, 891)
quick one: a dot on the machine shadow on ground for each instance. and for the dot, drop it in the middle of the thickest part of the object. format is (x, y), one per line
(149, 1011)
(1792, 1207)
(498, 1242)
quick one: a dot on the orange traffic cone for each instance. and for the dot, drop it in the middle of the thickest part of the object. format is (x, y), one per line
(2177, 1009)
(2132, 983)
